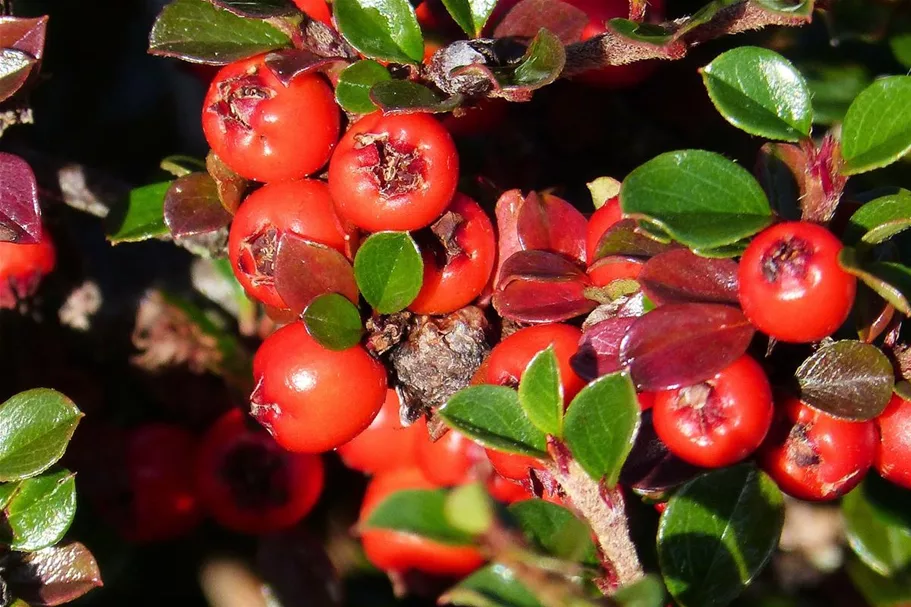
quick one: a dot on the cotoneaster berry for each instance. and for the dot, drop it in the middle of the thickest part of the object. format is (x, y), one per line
(22, 266)
(395, 172)
(509, 358)
(893, 455)
(249, 483)
(386, 444)
(268, 130)
(315, 9)
(310, 398)
(504, 490)
(456, 276)
(717, 422)
(395, 551)
(814, 456)
(513, 466)
(791, 285)
(450, 460)
(303, 208)
(599, 223)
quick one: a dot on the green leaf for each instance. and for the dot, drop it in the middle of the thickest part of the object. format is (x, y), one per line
(878, 590)
(257, 8)
(469, 509)
(35, 427)
(407, 96)
(891, 281)
(389, 271)
(39, 510)
(884, 546)
(354, 84)
(647, 592)
(601, 425)
(492, 586)
(471, 15)
(541, 393)
(542, 63)
(197, 31)
(419, 512)
(141, 217)
(877, 128)
(880, 219)
(334, 321)
(760, 92)
(381, 29)
(646, 33)
(492, 416)
(788, 7)
(717, 534)
(699, 198)
(555, 531)
(833, 88)
(901, 48)
(603, 189)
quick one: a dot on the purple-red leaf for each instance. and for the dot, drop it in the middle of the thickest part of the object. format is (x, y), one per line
(287, 65)
(53, 576)
(683, 344)
(540, 301)
(304, 270)
(192, 206)
(20, 216)
(564, 20)
(626, 238)
(549, 223)
(26, 35)
(539, 265)
(680, 276)
(651, 469)
(507, 212)
(599, 348)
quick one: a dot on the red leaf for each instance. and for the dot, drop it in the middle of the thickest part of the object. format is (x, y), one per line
(680, 276)
(53, 576)
(541, 301)
(599, 348)
(564, 20)
(304, 270)
(289, 64)
(26, 35)
(192, 206)
(651, 468)
(683, 344)
(539, 265)
(549, 223)
(20, 216)
(507, 212)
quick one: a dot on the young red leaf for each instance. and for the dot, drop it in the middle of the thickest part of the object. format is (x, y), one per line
(527, 17)
(549, 223)
(192, 206)
(304, 270)
(599, 349)
(680, 276)
(20, 216)
(507, 214)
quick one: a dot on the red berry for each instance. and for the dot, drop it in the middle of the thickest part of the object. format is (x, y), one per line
(266, 130)
(396, 172)
(310, 398)
(399, 552)
(599, 223)
(303, 208)
(470, 251)
(22, 266)
(449, 461)
(893, 455)
(607, 270)
(315, 9)
(510, 357)
(720, 421)
(646, 400)
(507, 491)
(513, 466)
(791, 285)
(814, 456)
(249, 483)
(386, 444)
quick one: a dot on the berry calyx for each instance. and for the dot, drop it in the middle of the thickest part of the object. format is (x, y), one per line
(310, 398)
(792, 287)
(717, 422)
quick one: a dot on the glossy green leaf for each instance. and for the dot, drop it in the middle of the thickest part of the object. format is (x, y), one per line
(788, 7)
(878, 590)
(389, 271)
(760, 92)
(717, 534)
(419, 512)
(491, 586)
(601, 425)
(492, 416)
(38, 511)
(141, 217)
(833, 88)
(381, 29)
(471, 15)
(334, 321)
(257, 8)
(699, 198)
(647, 592)
(901, 48)
(541, 393)
(877, 128)
(198, 31)
(645, 33)
(890, 502)
(354, 84)
(542, 63)
(880, 219)
(555, 531)
(406, 96)
(469, 508)
(884, 546)
(891, 281)
(35, 427)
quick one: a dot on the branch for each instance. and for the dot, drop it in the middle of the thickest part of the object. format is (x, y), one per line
(615, 48)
